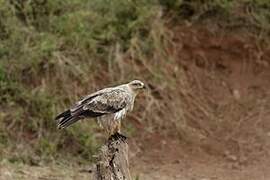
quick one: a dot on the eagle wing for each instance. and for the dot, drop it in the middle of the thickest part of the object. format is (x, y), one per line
(110, 100)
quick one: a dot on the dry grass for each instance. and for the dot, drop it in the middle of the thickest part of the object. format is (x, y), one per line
(11, 171)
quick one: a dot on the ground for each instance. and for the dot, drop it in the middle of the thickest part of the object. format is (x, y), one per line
(167, 160)
(170, 161)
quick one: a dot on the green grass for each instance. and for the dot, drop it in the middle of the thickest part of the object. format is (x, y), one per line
(47, 51)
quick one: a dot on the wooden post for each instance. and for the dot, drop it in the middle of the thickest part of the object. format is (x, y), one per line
(113, 160)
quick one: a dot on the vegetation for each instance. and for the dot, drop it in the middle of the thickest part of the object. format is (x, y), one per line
(53, 51)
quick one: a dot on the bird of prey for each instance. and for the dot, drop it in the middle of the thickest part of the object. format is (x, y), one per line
(109, 106)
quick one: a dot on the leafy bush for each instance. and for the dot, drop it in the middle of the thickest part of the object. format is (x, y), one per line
(49, 48)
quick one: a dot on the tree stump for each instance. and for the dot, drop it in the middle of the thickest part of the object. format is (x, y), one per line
(113, 160)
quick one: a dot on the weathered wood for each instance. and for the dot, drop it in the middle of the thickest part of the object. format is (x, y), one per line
(113, 160)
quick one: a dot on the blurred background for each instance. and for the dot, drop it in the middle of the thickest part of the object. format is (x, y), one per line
(205, 115)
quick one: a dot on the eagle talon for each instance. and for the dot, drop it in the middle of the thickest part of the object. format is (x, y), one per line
(120, 136)
(113, 137)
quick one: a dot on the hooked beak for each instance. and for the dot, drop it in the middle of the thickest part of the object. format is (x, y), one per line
(144, 87)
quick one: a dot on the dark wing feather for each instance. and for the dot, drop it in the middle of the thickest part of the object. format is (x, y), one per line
(100, 103)
(109, 102)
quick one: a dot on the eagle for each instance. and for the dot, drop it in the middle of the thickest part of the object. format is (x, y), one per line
(109, 106)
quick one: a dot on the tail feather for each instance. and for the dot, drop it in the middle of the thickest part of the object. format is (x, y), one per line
(65, 119)
(64, 114)
(67, 122)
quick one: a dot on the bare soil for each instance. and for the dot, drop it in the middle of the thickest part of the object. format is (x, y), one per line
(165, 159)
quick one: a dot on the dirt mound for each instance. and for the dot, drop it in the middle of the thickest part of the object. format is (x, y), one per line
(223, 81)
(227, 91)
